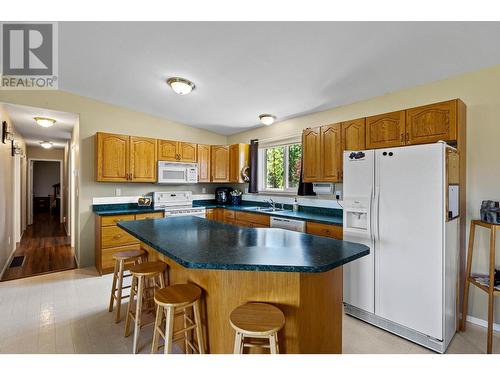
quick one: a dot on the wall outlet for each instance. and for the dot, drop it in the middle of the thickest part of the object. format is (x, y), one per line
(118, 192)
(8, 240)
(338, 195)
(203, 190)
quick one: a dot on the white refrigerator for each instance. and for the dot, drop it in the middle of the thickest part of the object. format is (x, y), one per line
(397, 201)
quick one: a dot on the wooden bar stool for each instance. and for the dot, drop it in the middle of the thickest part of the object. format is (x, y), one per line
(173, 301)
(146, 277)
(490, 288)
(257, 321)
(121, 258)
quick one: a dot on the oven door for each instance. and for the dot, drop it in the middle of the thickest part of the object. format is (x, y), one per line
(172, 175)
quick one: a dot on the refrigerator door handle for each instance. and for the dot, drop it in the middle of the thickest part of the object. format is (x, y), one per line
(370, 215)
(377, 215)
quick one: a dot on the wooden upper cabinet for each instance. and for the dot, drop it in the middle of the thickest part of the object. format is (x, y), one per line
(354, 135)
(187, 152)
(203, 163)
(239, 158)
(112, 157)
(220, 163)
(331, 152)
(432, 123)
(143, 159)
(311, 154)
(167, 150)
(387, 130)
(177, 151)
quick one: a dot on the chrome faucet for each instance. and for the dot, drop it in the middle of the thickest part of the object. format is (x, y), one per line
(271, 203)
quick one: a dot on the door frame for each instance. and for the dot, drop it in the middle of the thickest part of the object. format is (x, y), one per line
(30, 187)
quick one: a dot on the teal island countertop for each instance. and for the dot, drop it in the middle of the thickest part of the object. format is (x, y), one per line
(198, 243)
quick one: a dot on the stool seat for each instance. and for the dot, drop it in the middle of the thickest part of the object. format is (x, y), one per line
(148, 268)
(260, 319)
(128, 254)
(177, 295)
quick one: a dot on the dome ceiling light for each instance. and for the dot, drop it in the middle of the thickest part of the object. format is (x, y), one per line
(46, 145)
(267, 119)
(180, 85)
(45, 122)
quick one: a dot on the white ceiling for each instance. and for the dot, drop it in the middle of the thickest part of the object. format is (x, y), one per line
(244, 69)
(22, 118)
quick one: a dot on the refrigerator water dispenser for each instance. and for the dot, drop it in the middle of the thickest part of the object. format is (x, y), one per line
(357, 216)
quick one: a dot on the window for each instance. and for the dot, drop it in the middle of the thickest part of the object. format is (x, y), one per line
(281, 167)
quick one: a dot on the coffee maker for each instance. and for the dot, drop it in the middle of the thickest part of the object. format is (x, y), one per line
(222, 195)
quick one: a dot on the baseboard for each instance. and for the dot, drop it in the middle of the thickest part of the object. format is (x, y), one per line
(9, 259)
(482, 323)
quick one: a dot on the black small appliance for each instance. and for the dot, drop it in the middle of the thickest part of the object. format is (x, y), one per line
(222, 195)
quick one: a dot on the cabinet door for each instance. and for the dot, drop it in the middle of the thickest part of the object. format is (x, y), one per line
(112, 157)
(168, 150)
(311, 157)
(331, 153)
(187, 152)
(220, 163)
(203, 163)
(354, 135)
(387, 130)
(143, 159)
(432, 123)
(238, 159)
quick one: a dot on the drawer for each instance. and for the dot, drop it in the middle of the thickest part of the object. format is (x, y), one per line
(114, 236)
(325, 230)
(150, 215)
(112, 220)
(253, 218)
(107, 261)
(228, 214)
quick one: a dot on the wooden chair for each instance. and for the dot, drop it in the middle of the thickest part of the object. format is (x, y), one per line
(121, 258)
(146, 278)
(173, 301)
(489, 289)
(260, 321)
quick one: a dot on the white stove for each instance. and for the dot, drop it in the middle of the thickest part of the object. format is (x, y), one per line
(177, 203)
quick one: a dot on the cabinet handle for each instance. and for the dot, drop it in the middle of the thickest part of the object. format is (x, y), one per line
(117, 236)
(402, 137)
(407, 137)
(131, 176)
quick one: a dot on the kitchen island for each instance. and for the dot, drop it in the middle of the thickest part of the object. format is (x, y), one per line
(299, 273)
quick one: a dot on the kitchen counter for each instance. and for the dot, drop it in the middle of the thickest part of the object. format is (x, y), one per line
(315, 214)
(122, 209)
(199, 243)
(299, 273)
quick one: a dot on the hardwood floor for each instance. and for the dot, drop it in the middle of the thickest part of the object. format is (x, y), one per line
(46, 248)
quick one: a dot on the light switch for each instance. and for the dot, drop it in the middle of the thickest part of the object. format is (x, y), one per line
(118, 192)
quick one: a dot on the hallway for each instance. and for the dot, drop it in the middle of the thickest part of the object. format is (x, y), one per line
(46, 248)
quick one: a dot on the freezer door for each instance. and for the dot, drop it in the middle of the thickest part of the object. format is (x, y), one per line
(409, 202)
(358, 186)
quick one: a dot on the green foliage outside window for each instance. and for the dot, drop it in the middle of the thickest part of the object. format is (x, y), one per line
(279, 160)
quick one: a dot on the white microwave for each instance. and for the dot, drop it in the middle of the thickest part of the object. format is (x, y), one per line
(177, 173)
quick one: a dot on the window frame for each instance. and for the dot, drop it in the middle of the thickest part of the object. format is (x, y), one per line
(263, 167)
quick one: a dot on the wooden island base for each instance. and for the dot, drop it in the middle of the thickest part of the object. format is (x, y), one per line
(311, 302)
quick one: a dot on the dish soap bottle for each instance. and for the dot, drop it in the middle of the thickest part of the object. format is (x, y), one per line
(295, 205)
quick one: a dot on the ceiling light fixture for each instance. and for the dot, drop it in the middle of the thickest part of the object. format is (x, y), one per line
(46, 145)
(180, 85)
(267, 119)
(45, 122)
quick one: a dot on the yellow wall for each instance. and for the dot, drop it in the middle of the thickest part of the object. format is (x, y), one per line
(98, 116)
(480, 91)
(38, 152)
(7, 193)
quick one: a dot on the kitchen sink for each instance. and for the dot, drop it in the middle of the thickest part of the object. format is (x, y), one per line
(268, 209)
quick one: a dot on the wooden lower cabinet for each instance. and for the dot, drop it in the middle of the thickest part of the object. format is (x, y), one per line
(247, 219)
(110, 239)
(325, 230)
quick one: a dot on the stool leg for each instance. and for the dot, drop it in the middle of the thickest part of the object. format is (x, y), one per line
(138, 313)
(470, 250)
(157, 327)
(197, 321)
(237, 343)
(162, 280)
(119, 291)
(169, 329)
(491, 291)
(130, 305)
(273, 344)
(113, 288)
